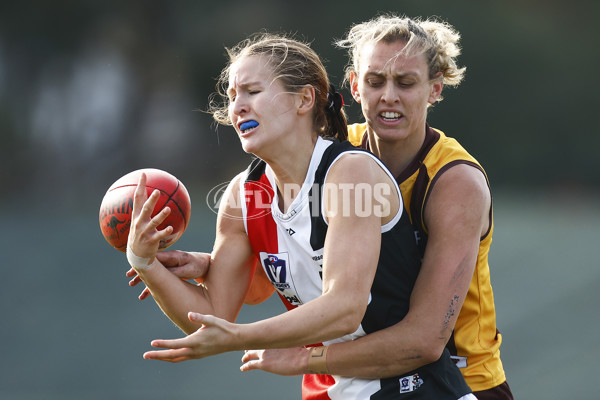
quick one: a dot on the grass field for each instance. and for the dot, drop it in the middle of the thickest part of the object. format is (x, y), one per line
(72, 328)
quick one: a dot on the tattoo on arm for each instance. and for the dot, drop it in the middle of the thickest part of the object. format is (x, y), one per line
(450, 313)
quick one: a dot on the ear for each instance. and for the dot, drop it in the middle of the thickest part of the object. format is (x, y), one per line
(436, 89)
(306, 101)
(354, 86)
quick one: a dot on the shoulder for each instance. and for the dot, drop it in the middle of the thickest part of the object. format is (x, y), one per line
(448, 150)
(453, 168)
(365, 176)
(230, 207)
(357, 166)
(453, 171)
(461, 195)
(463, 178)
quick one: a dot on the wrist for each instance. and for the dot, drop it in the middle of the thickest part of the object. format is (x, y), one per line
(317, 360)
(139, 263)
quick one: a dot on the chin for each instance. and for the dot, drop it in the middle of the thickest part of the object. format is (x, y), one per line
(248, 149)
(250, 146)
(390, 133)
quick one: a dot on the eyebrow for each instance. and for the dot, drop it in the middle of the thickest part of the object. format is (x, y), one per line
(245, 85)
(381, 74)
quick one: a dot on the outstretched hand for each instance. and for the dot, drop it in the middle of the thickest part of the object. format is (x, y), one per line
(144, 235)
(286, 362)
(214, 336)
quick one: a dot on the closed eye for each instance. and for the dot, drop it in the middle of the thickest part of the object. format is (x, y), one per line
(375, 82)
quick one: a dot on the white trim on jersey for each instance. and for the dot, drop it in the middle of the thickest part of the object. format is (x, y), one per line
(242, 200)
(307, 185)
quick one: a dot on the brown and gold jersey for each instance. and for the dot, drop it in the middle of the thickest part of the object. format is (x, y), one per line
(475, 342)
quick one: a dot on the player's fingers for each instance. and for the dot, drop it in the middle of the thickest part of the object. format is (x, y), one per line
(179, 359)
(149, 205)
(173, 344)
(251, 355)
(163, 234)
(169, 355)
(169, 258)
(160, 217)
(250, 365)
(131, 273)
(202, 319)
(136, 279)
(139, 196)
(145, 293)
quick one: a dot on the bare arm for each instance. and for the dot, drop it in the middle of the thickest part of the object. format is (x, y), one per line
(457, 215)
(232, 264)
(195, 265)
(260, 289)
(348, 274)
(183, 264)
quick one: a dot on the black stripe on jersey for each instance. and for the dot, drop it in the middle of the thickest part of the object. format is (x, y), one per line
(318, 225)
(431, 138)
(416, 207)
(256, 169)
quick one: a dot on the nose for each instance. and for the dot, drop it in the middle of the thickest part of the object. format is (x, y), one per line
(239, 105)
(389, 94)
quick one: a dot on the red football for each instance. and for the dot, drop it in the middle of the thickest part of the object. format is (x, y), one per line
(117, 205)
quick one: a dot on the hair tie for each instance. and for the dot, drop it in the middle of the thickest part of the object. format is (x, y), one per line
(336, 101)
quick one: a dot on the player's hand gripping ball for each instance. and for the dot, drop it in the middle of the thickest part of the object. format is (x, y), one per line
(117, 205)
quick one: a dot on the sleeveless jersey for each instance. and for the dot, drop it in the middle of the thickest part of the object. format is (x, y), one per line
(289, 246)
(475, 342)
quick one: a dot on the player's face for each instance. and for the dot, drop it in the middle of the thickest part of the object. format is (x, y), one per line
(260, 109)
(394, 90)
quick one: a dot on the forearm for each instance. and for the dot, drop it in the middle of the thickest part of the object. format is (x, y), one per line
(174, 296)
(386, 353)
(319, 320)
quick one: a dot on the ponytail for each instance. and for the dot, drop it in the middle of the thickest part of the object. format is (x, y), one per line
(337, 124)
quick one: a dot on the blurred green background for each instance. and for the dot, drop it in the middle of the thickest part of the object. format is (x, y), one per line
(91, 90)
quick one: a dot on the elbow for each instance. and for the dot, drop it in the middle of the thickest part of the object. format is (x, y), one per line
(347, 328)
(341, 318)
(432, 354)
(430, 349)
(350, 320)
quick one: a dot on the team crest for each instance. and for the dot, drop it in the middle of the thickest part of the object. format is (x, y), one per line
(276, 267)
(410, 383)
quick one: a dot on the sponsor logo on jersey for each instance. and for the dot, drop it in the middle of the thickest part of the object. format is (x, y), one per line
(410, 383)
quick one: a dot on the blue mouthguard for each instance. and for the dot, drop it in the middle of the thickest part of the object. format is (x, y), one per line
(248, 125)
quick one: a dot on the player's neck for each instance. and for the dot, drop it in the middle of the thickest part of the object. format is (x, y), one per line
(396, 154)
(290, 172)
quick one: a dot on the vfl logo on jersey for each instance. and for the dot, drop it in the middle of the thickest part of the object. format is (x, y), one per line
(276, 267)
(410, 383)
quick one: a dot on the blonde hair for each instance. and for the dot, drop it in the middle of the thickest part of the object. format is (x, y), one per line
(296, 65)
(436, 40)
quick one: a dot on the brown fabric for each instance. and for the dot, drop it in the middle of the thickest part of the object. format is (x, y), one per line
(500, 392)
